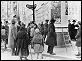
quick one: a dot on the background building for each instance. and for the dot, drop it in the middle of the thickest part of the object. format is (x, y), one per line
(74, 10)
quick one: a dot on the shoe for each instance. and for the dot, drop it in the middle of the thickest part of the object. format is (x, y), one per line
(78, 54)
(48, 52)
(20, 58)
(52, 53)
(26, 58)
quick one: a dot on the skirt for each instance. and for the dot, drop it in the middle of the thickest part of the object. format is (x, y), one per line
(38, 48)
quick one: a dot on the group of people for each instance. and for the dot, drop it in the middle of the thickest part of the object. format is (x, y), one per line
(20, 37)
(75, 34)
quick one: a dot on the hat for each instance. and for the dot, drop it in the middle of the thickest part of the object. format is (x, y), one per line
(46, 20)
(73, 21)
(6, 21)
(69, 21)
(52, 20)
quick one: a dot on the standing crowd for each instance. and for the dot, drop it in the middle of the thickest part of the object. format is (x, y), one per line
(19, 37)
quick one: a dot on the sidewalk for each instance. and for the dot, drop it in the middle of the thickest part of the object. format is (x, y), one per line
(61, 54)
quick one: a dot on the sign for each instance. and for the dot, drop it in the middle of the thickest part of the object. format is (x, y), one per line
(31, 6)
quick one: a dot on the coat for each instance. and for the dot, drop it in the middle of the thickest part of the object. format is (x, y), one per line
(72, 31)
(22, 39)
(6, 31)
(45, 29)
(78, 37)
(51, 38)
(37, 43)
(12, 36)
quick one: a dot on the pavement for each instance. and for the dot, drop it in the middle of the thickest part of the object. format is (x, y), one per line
(61, 54)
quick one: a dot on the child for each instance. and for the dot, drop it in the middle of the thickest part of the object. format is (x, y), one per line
(37, 42)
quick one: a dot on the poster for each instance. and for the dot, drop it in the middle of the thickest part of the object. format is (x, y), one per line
(56, 11)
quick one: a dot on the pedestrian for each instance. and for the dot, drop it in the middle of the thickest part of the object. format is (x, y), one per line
(18, 25)
(38, 45)
(78, 40)
(69, 24)
(6, 33)
(45, 29)
(12, 36)
(51, 40)
(22, 43)
(69, 31)
(42, 28)
(73, 31)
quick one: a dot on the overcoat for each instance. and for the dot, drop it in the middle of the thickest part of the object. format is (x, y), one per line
(72, 31)
(52, 37)
(22, 39)
(78, 37)
(12, 36)
(7, 31)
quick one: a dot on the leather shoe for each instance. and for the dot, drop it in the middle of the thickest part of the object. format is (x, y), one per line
(52, 53)
(78, 54)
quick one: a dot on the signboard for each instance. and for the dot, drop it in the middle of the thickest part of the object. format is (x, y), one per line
(56, 11)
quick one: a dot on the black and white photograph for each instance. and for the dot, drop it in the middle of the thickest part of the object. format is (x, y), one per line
(41, 30)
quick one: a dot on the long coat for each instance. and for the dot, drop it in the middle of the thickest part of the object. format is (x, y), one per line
(7, 31)
(12, 36)
(72, 31)
(78, 37)
(22, 39)
(51, 38)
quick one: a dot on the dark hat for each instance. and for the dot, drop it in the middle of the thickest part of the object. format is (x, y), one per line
(52, 20)
(6, 21)
(69, 21)
(73, 21)
(46, 20)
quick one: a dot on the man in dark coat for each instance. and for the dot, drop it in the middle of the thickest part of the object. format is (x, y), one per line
(22, 43)
(72, 31)
(45, 29)
(69, 24)
(42, 28)
(18, 26)
(51, 38)
(6, 33)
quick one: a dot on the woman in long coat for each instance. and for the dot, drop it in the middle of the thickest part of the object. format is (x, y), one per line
(22, 43)
(51, 38)
(78, 42)
(12, 36)
(6, 33)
